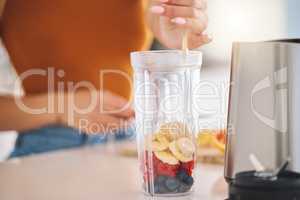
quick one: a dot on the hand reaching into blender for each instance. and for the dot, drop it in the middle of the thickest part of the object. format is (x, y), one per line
(170, 18)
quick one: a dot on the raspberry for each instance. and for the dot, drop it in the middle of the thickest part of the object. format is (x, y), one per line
(163, 169)
(156, 161)
(188, 167)
(159, 168)
(166, 169)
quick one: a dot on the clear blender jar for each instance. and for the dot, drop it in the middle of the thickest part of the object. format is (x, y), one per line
(165, 122)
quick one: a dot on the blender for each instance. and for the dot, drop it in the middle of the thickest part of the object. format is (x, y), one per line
(163, 84)
(263, 138)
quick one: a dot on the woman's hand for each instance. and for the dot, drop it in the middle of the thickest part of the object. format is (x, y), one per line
(169, 19)
(96, 111)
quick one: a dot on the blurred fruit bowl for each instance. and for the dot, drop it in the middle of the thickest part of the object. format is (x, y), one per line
(211, 146)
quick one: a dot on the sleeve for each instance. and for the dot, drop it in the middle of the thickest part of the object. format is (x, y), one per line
(9, 85)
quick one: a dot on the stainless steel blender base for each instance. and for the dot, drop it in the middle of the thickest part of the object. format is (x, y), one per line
(247, 186)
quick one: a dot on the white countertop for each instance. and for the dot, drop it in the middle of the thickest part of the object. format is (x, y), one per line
(99, 172)
(91, 173)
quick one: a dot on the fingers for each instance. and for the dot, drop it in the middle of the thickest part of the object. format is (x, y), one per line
(197, 40)
(179, 8)
(173, 11)
(116, 105)
(200, 4)
(123, 112)
(196, 26)
(184, 13)
(196, 29)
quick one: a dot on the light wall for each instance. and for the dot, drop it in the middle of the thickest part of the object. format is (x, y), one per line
(243, 20)
(293, 18)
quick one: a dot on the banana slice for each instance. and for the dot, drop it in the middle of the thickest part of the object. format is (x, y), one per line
(162, 139)
(157, 146)
(186, 146)
(166, 157)
(178, 154)
(157, 142)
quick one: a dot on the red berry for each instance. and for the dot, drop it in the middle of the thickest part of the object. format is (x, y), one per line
(159, 168)
(188, 166)
(163, 169)
(146, 169)
(167, 170)
(156, 161)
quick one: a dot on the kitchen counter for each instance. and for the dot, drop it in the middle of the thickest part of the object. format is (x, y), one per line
(92, 173)
(100, 172)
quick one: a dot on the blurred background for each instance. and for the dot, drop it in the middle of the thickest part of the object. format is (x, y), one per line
(230, 20)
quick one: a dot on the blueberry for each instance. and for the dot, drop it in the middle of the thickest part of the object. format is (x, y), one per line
(156, 188)
(172, 184)
(185, 178)
(160, 189)
(160, 179)
(189, 181)
(163, 189)
(183, 188)
(182, 175)
(159, 185)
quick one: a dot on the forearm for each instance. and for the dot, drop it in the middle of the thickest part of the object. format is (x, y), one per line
(20, 116)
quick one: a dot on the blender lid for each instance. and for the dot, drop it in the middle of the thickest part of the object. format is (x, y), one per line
(166, 60)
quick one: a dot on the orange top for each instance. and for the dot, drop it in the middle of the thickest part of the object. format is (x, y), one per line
(80, 37)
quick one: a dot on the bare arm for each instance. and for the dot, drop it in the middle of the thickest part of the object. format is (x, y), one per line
(100, 112)
(15, 118)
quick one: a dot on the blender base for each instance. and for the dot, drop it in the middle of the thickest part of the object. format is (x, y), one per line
(247, 186)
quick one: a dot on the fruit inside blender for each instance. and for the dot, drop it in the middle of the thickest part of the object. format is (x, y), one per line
(169, 160)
